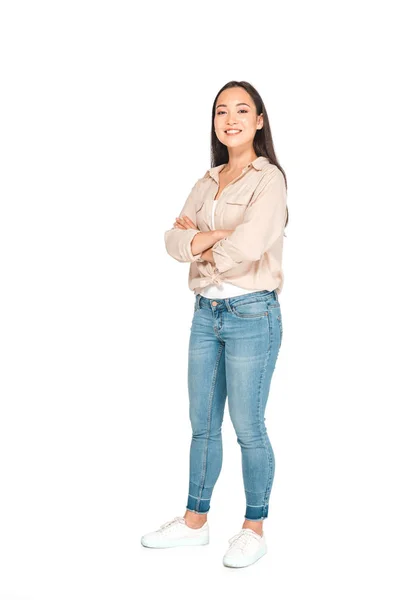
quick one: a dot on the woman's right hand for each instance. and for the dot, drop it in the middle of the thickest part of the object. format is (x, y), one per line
(185, 223)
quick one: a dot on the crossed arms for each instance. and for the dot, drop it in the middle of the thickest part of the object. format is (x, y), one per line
(263, 224)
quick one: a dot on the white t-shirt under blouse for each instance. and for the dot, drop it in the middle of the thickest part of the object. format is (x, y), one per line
(225, 289)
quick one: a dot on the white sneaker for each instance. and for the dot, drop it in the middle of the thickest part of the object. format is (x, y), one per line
(176, 533)
(245, 548)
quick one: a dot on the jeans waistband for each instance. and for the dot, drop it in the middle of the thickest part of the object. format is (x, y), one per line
(225, 303)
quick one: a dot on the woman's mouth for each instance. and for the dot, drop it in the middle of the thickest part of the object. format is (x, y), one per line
(232, 131)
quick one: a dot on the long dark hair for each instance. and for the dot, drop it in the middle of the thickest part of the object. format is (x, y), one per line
(262, 143)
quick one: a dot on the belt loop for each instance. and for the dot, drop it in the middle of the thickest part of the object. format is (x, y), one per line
(197, 301)
(276, 296)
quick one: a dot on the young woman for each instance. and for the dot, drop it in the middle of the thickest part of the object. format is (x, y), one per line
(231, 231)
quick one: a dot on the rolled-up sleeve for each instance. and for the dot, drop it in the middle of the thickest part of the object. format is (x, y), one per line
(263, 224)
(178, 241)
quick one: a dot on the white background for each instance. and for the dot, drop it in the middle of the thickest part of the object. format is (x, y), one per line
(105, 127)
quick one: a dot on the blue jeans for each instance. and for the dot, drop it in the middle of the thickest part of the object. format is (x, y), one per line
(233, 348)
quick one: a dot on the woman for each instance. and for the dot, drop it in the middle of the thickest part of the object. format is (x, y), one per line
(231, 232)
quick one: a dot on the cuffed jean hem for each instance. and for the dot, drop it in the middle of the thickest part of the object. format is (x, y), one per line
(197, 511)
(198, 505)
(256, 513)
(195, 500)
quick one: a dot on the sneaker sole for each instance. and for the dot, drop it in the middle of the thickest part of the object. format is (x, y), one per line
(235, 564)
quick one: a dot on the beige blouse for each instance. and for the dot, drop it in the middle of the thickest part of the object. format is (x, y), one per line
(254, 205)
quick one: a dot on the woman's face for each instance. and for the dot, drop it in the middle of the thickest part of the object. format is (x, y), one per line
(236, 110)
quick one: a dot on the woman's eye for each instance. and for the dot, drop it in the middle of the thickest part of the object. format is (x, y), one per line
(220, 112)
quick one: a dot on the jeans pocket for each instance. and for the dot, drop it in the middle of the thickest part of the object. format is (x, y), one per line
(251, 310)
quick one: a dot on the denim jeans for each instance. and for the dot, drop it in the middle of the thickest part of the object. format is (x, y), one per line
(233, 348)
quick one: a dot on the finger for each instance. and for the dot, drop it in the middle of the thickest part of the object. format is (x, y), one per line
(184, 224)
(190, 222)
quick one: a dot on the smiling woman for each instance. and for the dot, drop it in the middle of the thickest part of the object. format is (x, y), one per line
(231, 231)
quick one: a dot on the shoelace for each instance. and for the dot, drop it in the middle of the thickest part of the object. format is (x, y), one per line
(242, 538)
(174, 521)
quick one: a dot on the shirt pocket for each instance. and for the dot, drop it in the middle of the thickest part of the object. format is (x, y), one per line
(235, 207)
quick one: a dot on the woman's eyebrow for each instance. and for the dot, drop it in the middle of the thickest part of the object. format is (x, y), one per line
(238, 104)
